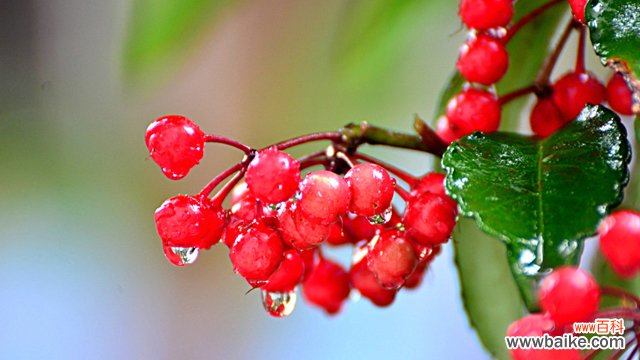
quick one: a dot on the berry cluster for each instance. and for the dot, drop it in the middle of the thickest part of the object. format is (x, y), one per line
(484, 60)
(282, 214)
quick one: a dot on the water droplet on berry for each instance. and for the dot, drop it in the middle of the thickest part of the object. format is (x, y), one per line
(181, 256)
(381, 218)
(279, 304)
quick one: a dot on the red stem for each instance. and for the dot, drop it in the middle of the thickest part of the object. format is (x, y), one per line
(628, 314)
(312, 162)
(543, 77)
(404, 194)
(615, 292)
(506, 98)
(220, 178)
(223, 140)
(580, 68)
(333, 136)
(528, 18)
(408, 178)
(226, 189)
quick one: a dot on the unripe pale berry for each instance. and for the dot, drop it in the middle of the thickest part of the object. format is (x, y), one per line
(486, 14)
(256, 252)
(273, 176)
(327, 286)
(569, 294)
(620, 241)
(483, 59)
(288, 275)
(324, 195)
(538, 325)
(430, 219)
(371, 189)
(619, 96)
(366, 283)
(473, 110)
(575, 90)
(176, 144)
(186, 221)
(545, 118)
(391, 258)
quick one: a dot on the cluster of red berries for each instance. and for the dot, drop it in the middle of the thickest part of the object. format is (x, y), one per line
(278, 219)
(484, 60)
(567, 295)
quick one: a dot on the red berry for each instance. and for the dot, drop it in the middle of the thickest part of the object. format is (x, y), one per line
(239, 192)
(538, 325)
(483, 59)
(414, 280)
(620, 241)
(569, 294)
(310, 257)
(256, 252)
(338, 235)
(180, 256)
(545, 118)
(288, 275)
(575, 90)
(327, 286)
(176, 144)
(186, 221)
(486, 14)
(473, 110)
(391, 258)
(358, 227)
(324, 195)
(433, 183)
(273, 176)
(430, 219)
(371, 189)
(619, 95)
(445, 132)
(298, 230)
(366, 283)
(577, 7)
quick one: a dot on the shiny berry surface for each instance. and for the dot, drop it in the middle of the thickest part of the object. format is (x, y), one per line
(486, 14)
(256, 252)
(569, 294)
(176, 144)
(483, 59)
(371, 189)
(324, 195)
(288, 275)
(430, 219)
(432, 183)
(363, 280)
(620, 241)
(273, 176)
(545, 118)
(391, 258)
(327, 286)
(573, 91)
(473, 110)
(538, 325)
(300, 231)
(619, 96)
(445, 132)
(186, 221)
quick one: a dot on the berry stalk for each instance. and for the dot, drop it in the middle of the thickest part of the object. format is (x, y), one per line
(513, 30)
(211, 138)
(354, 135)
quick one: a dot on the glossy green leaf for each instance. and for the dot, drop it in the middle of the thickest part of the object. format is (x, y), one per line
(615, 34)
(541, 197)
(160, 32)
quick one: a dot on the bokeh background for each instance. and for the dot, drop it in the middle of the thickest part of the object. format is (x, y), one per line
(83, 275)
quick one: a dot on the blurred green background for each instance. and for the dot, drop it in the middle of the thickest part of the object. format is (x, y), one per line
(83, 275)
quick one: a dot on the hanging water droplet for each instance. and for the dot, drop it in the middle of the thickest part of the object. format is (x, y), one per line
(181, 256)
(381, 218)
(279, 304)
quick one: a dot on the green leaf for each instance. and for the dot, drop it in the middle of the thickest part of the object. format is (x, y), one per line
(541, 197)
(615, 34)
(160, 32)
